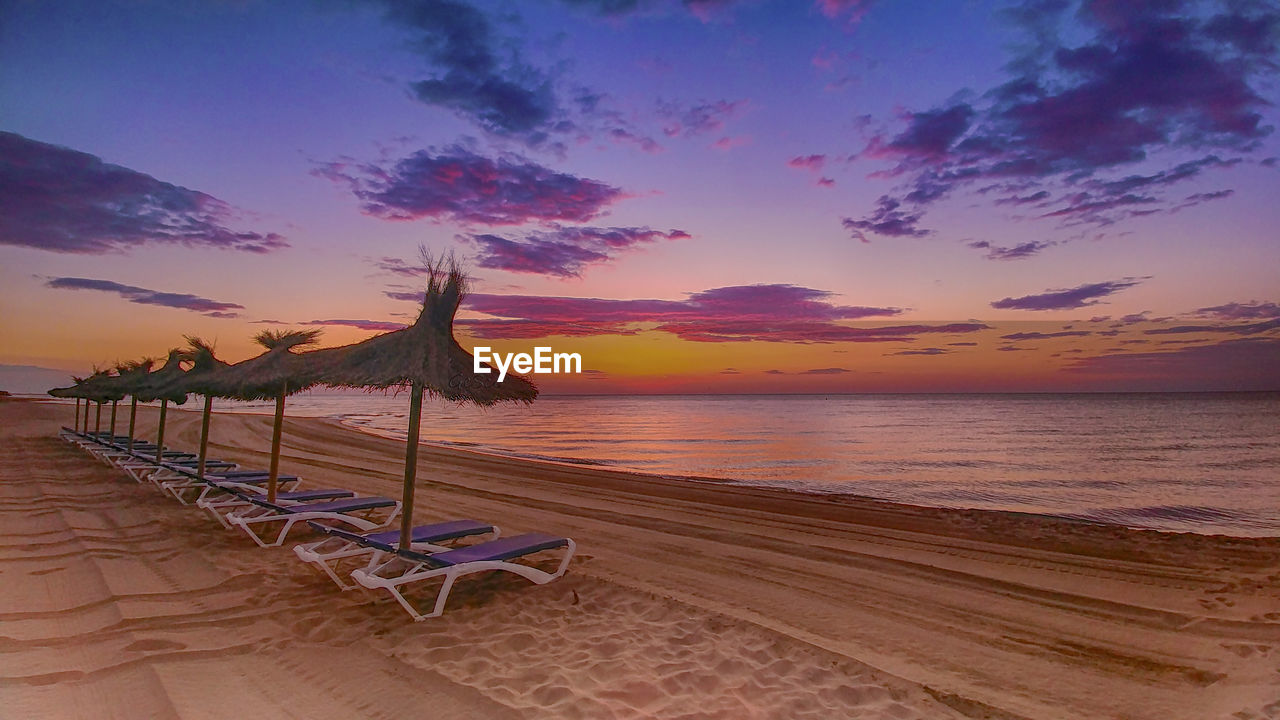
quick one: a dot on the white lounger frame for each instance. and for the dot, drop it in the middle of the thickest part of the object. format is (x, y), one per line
(418, 572)
(329, 553)
(258, 515)
(220, 506)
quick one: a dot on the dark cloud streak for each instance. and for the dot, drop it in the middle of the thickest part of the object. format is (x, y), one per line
(59, 199)
(143, 296)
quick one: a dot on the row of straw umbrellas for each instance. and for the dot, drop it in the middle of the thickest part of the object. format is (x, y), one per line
(424, 357)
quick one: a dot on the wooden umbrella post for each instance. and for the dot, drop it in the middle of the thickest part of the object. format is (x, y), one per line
(204, 435)
(133, 416)
(113, 419)
(164, 407)
(97, 425)
(410, 466)
(77, 425)
(275, 443)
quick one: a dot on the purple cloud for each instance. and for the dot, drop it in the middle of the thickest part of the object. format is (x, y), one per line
(929, 136)
(396, 266)
(459, 185)
(1045, 336)
(359, 324)
(143, 296)
(851, 11)
(1247, 329)
(1077, 297)
(813, 163)
(1138, 83)
(886, 220)
(1241, 311)
(476, 76)
(63, 200)
(1017, 252)
(1232, 365)
(926, 351)
(767, 313)
(563, 251)
(825, 371)
(699, 118)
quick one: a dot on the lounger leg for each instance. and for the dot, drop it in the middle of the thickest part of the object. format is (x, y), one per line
(441, 598)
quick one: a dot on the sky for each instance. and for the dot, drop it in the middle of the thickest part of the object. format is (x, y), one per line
(697, 196)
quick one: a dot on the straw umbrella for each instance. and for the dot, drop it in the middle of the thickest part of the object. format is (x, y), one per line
(92, 389)
(273, 375)
(425, 357)
(72, 391)
(202, 380)
(132, 376)
(76, 390)
(103, 386)
(161, 385)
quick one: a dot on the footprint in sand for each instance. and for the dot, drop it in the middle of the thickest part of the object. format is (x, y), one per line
(1246, 650)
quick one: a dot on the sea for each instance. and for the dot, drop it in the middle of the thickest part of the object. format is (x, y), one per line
(1188, 462)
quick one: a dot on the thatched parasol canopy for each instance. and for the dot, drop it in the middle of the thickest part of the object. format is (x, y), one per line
(75, 390)
(426, 358)
(96, 388)
(90, 389)
(202, 379)
(425, 354)
(264, 377)
(103, 386)
(163, 383)
(274, 374)
(132, 376)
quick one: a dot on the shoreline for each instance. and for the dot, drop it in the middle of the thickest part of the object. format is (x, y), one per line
(1193, 520)
(957, 613)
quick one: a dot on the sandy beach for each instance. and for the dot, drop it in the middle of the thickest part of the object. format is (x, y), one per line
(687, 600)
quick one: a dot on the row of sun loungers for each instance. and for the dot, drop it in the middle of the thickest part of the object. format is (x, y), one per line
(354, 551)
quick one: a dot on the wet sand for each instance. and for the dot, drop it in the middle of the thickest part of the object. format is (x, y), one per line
(687, 600)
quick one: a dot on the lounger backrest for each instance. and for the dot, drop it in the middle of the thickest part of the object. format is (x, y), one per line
(501, 549)
(386, 541)
(337, 506)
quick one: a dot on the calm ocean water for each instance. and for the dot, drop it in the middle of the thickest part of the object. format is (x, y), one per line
(1207, 463)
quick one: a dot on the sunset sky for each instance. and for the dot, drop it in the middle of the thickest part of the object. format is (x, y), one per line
(697, 196)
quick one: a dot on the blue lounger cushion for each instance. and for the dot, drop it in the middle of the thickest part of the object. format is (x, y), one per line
(387, 540)
(500, 549)
(321, 494)
(337, 506)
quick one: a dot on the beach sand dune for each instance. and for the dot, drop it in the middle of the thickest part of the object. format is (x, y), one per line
(687, 600)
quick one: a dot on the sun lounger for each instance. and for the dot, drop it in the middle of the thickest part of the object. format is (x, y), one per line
(409, 566)
(185, 473)
(188, 488)
(237, 496)
(264, 513)
(140, 465)
(343, 545)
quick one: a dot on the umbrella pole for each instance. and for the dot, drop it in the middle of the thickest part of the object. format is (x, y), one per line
(97, 425)
(164, 407)
(204, 435)
(275, 446)
(410, 466)
(133, 415)
(113, 420)
(77, 425)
